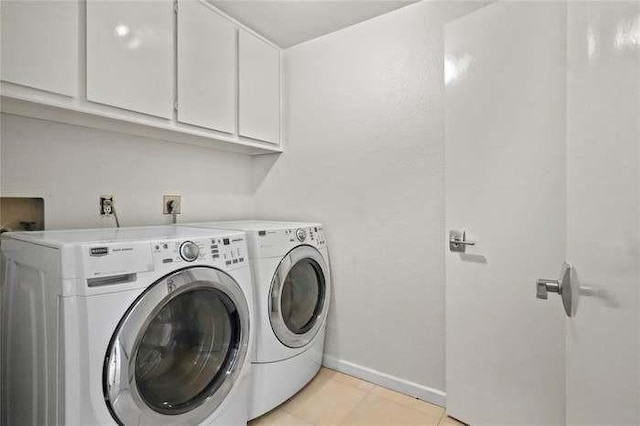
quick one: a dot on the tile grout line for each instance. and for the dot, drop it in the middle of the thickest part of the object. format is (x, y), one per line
(440, 417)
(367, 389)
(364, 395)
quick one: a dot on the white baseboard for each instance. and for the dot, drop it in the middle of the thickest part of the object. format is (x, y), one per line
(406, 387)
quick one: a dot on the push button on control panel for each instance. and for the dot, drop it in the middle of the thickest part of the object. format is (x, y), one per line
(229, 251)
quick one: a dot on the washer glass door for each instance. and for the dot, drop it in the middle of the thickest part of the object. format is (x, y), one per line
(299, 296)
(178, 349)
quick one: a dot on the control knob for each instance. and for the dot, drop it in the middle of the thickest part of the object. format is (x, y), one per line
(301, 234)
(189, 251)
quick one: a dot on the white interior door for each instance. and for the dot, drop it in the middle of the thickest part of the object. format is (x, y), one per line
(509, 359)
(505, 186)
(603, 211)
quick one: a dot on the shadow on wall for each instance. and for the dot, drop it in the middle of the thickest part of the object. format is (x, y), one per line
(262, 165)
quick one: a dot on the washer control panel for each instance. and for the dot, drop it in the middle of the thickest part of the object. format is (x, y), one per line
(224, 251)
(105, 263)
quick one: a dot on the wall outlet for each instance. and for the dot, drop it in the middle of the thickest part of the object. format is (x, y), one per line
(171, 204)
(106, 205)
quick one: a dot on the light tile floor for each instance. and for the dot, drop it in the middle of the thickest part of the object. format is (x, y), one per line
(333, 398)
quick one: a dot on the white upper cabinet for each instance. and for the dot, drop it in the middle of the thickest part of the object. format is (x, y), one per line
(259, 89)
(206, 68)
(181, 71)
(130, 55)
(40, 44)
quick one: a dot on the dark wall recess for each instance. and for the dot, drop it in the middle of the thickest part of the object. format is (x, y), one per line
(21, 214)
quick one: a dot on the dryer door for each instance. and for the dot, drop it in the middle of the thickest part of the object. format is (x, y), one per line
(179, 349)
(299, 296)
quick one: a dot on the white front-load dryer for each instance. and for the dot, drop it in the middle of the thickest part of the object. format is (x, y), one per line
(290, 264)
(126, 326)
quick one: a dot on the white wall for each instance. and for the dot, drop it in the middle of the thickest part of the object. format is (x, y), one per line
(364, 155)
(71, 166)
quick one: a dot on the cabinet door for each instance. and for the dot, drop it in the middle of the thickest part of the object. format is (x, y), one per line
(206, 68)
(130, 55)
(40, 44)
(259, 91)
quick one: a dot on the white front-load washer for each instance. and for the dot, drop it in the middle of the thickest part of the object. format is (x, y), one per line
(126, 326)
(290, 264)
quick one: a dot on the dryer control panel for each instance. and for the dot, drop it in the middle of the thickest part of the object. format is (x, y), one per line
(311, 235)
(275, 242)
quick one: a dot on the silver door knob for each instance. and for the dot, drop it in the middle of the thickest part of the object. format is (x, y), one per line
(544, 286)
(562, 287)
(458, 241)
